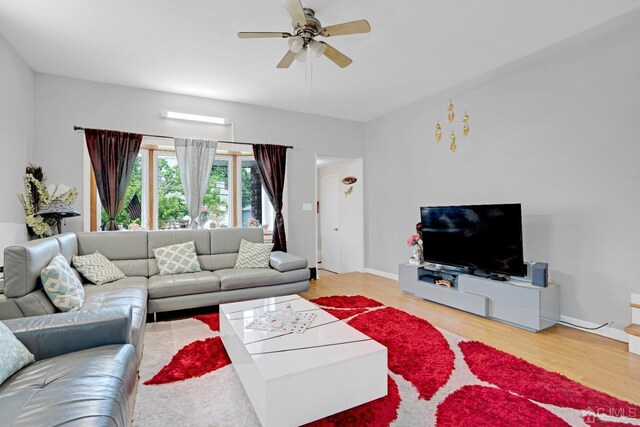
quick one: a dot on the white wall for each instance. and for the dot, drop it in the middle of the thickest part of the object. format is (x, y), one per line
(351, 214)
(556, 131)
(64, 102)
(16, 140)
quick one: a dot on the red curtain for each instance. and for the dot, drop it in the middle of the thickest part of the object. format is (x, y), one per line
(113, 156)
(272, 162)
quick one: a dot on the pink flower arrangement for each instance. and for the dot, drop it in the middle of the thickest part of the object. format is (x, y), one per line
(252, 222)
(204, 209)
(414, 240)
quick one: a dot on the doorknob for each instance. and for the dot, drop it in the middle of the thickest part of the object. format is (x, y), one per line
(335, 229)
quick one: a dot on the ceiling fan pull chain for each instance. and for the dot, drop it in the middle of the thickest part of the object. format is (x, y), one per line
(310, 56)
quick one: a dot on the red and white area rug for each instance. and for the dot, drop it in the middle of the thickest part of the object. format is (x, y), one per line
(435, 378)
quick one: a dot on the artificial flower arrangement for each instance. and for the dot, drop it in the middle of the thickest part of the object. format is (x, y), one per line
(135, 225)
(253, 223)
(37, 195)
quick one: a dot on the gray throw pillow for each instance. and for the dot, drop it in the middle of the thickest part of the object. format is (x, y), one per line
(61, 285)
(97, 269)
(178, 258)
(253, 255)
(13, 354)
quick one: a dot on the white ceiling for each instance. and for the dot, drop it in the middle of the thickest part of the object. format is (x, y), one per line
(416, 47)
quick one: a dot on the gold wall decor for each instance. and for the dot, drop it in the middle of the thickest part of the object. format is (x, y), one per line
(452, 137)
(451, 115)
(465, 124)
(453, 145)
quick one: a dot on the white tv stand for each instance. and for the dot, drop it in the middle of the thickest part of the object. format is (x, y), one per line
(517, 303)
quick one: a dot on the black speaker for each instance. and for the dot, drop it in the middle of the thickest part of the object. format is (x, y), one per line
(539, 274)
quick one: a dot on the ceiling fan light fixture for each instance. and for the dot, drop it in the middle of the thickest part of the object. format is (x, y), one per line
(296, 44)
(317, 48)
(302, 55)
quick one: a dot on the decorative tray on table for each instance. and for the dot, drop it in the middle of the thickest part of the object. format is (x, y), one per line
(285, 320)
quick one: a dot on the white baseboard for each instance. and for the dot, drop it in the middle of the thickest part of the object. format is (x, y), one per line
(607, 331)
(381, 273)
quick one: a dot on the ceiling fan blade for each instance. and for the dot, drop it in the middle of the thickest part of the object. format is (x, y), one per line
(336, 56)
(353, 27)
(286, 60)
(294, 7)
(263, 35)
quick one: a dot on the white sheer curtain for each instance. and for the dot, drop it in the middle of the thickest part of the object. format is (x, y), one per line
(195, 159)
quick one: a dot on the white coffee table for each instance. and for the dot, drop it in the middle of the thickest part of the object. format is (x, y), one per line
(292, 379)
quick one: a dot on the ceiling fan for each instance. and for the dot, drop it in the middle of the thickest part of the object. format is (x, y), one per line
(302, 38)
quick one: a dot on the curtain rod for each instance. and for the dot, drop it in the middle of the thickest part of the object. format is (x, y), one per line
(171, 137)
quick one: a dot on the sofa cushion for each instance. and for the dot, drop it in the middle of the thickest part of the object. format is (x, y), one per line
(35, 303)
(97, 269)
(125, 292)
(183, 284)
(126, 283)
(217, 262)
(227, 240)
(61, 285)
(178, 258)
(23, 264)
(240, 278)
(283, 261)
(88, 387)
(115, 245)
(68, 243)
(13, 354)
(133, 267)
(158, 239)
(253, 255)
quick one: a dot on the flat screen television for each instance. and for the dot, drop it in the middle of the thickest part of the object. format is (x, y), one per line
(487, 238)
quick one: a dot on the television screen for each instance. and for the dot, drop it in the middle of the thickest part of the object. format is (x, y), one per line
(480, 237)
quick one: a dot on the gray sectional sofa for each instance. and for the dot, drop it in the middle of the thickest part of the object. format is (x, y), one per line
(132, 252)
(85, 371)
(143, 291)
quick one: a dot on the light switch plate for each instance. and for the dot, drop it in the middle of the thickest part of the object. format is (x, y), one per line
(307, 206)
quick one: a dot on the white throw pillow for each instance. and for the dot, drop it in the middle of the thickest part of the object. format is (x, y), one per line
(97, 269)
(253, 255)
(13, 354)
(176, 259)
(61, 285)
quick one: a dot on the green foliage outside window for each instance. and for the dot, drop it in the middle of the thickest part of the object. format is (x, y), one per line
(171, 201)
(170, 194)
(135, 186)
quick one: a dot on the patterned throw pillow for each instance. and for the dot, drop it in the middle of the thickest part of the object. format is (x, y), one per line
(13, 354)
(253, 255)
(62, 286)
(97, 269)
(176, 259)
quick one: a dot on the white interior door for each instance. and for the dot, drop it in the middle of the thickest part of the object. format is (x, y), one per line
(330, 222)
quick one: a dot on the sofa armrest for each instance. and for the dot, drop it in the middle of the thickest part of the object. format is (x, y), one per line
(55, 334)
(283, 261)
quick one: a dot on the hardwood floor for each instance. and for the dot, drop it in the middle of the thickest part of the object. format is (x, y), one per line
(601, 363)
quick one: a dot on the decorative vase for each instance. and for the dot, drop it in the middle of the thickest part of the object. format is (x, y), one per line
(416, 258)
(202, 219)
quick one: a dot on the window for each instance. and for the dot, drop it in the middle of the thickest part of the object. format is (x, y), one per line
(217, 198)
(172, 207)
(255, 210)
(134, 189)
(234, 196)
